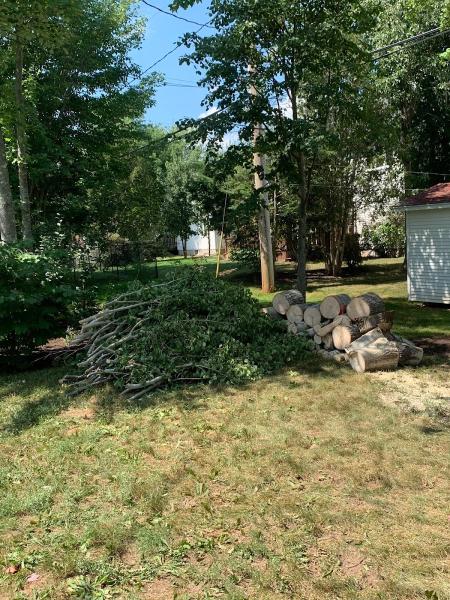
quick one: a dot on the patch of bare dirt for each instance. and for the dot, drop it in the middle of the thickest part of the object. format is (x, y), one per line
(159, 589)
(79, 413)
(413, 390)
(354, 564)
(439, 346)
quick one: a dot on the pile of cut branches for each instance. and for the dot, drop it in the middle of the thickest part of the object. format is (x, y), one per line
(193, 328)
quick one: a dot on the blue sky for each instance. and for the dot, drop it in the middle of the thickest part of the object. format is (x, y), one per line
(163, 31)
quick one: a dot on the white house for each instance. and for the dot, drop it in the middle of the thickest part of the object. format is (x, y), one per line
(199, 244)
(428, 244)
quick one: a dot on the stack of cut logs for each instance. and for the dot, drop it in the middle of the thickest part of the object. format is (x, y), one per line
(358, 330)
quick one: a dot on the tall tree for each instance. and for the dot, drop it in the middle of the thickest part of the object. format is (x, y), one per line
(8, 233)
(80, 117)
(306, 56)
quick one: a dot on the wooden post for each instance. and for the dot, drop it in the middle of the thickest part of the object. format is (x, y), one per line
(264, 231)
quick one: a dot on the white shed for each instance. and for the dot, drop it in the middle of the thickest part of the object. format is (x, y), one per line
(199, 244)
(428, 245)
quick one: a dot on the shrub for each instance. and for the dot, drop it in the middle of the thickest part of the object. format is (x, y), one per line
(388, 239)
(246, 256)
(352, 251)
(36, 301)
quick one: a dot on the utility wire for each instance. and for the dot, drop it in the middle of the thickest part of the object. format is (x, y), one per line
(406, 40)
(164, 56)
(175, 16)
(402, 45)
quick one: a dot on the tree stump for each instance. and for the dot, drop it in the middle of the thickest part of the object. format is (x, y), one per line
(333, 306)
(368, 339)
(364, 306)
(283, 300)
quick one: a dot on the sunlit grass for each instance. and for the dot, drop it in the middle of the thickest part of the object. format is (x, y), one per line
(312, 484)
(299, 486)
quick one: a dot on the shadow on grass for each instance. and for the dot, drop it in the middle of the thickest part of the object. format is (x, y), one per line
(45, 397)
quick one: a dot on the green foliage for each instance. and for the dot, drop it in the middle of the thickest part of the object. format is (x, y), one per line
(248, 256)
(352, 251)
(388, 238)
(36, 302)
(195, 328)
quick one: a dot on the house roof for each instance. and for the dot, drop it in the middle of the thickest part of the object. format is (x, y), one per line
(438, 194)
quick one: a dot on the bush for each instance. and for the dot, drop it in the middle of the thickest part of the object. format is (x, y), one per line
(246, 256)
(388, 239)
(352, 251)
(36, 302)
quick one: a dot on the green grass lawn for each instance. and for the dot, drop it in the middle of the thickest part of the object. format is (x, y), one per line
(312, 484)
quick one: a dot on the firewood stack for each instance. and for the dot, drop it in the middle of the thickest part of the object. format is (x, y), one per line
(357, 331)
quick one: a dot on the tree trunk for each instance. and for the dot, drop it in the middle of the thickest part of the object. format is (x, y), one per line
(22, 154)
(8, 233)
(382, 320)
(264, 230)
(184, 244)
(302, 230)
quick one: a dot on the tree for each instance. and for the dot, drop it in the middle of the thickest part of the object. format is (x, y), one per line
(80, 116)
(184, 169)
(414, 84)
(8, 233)
(306, 58)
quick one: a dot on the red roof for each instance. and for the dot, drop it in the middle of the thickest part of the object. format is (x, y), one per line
(438, 194)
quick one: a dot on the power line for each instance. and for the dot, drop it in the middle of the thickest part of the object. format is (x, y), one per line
(406, 40)
(164, 56)
(410, 42)
(175, 16)
(172, 134)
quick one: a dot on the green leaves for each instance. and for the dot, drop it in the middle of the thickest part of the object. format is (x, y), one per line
(201, 329)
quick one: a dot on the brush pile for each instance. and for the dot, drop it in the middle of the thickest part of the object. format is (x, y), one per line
(358, 330)
(193, 328)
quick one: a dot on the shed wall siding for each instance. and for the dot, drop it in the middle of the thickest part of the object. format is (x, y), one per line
(428, 233)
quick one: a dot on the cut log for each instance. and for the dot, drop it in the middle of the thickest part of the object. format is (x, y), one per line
(312, 315)
(317, 340)
(364, 306)
(333, 306)
(271, 313)
(294, 313)
(382, 320)
(344, 335)
(327, 341)
(410, 355)
(327, 327)
(283, 300)
(320, 328)
(381, 357)
(368, 339)
(292, 328)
